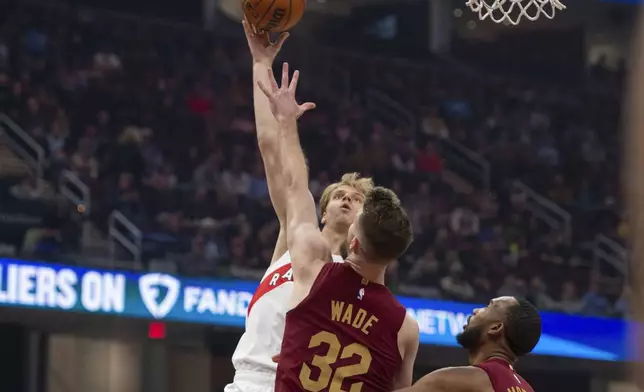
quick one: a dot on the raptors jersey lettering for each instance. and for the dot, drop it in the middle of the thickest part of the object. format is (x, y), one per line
(342, 337)
(503, 377)
(265, 326)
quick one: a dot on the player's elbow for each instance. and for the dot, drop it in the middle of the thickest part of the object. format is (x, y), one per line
(297, 191)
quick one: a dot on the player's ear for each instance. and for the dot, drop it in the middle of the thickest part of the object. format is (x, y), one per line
(323, 220)
(354, 245)
(496, 329)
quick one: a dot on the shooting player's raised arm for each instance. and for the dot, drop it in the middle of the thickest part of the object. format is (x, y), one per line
(263, 52)
(308, 248)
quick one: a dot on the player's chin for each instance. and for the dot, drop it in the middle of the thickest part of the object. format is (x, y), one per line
(348, 218)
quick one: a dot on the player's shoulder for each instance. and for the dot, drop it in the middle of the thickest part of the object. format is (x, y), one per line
(410, 325)
(456, 379)
(408, 336)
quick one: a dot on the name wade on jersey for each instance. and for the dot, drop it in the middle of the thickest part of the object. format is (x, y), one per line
(275, 279)
(359, 319)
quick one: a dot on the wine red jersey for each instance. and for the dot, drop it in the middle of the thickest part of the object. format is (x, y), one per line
(342, 336)
(503, 377)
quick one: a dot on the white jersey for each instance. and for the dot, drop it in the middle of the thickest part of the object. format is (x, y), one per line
(254, 368)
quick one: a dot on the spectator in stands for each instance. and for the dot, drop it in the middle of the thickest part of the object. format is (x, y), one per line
(594, 303)
(56, 140)
(403, 160)
(429, 162)
(569, 301)
(512, 287)
(83, 163)
(236, 180)
(538, 294)
(27, 189)
(454, 286)
(560, 192)
(162, 178)
(207, 175)
(258, 185)
(424, 277)
(464, 222)
(434, 126)
(126, 198)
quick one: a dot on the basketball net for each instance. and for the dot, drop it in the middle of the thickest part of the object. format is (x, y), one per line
(511, 11)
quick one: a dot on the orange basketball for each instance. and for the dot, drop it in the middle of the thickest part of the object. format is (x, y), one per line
(273, 15)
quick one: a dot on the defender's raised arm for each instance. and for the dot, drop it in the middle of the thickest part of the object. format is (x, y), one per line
(304, 239)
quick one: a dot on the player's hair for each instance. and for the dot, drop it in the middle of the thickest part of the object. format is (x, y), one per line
(361, 184)
(385, 229)
(522, 327)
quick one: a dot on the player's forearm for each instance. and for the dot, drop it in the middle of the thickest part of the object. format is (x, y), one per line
(267, 126)
(296, 173)
(268, 142)
(300, 206)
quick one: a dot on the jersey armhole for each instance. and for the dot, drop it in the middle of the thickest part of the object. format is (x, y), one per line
(315, 286)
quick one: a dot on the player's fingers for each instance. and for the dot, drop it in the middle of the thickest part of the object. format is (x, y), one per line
(284, 76)
(253, 28)
(293, 86)
(246, 28)
(264, 39)
(305, 107)
(267, 91)
(271, 79)
(280, 41)
(275, 358)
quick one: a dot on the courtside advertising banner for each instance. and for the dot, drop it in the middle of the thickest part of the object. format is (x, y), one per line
(225, 302)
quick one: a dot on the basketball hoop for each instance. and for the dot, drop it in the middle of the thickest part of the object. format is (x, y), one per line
(511, 11)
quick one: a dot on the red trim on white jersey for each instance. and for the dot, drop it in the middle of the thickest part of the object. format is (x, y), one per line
(272, 281)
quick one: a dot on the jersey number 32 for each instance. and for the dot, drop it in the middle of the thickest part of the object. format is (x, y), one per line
(328, 377)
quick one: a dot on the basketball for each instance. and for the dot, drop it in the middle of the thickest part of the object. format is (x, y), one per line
(273, 15)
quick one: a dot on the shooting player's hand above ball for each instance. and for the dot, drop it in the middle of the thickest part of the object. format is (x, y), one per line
(261, 48)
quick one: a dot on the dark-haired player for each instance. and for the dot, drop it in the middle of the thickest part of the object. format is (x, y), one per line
(495, 336)
(345, 330)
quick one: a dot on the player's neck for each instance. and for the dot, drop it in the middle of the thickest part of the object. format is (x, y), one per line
(336, 240)
(372, 272)
(484, 354)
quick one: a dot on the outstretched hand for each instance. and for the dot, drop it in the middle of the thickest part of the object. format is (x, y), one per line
(282, 98)
(261, 48)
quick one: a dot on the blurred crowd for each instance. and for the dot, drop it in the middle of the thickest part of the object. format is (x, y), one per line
(158, 122)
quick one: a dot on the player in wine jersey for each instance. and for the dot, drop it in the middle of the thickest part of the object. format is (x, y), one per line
(339, 203)
(345, 329)
(495, 337)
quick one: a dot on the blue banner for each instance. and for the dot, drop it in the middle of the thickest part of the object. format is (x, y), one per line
(219, 302)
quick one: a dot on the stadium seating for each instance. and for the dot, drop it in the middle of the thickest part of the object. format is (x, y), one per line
(137, 138)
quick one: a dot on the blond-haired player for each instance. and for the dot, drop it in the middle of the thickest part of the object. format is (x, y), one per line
(339, 204)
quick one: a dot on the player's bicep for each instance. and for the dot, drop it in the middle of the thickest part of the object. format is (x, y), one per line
(308, 253)
(409, 341)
